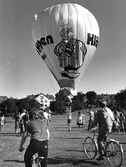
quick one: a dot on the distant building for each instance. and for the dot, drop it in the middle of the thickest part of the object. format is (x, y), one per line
(44, 100)
(2, 98)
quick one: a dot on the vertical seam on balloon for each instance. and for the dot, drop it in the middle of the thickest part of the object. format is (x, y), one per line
(85, 20)
(52, 34)
(76, 26)
(53, 70)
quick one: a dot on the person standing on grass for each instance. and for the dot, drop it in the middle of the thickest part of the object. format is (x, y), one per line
(122, 121)
(69, 120)
(25, 119)
(104, 118)
(39, 134)
(2, 121)
(80, 119)
(116, 125)
(91, 118)
(16, 118)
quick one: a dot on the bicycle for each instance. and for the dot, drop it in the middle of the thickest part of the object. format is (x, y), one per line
(113, 150)
(36, 161)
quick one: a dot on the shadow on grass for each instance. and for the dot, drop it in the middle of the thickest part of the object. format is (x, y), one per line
(74, 150)
(11, 134)
(57, 160)
(71, 137)
(16, 161)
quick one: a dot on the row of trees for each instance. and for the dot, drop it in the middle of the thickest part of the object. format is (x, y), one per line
(81, 101)
(10, 105)
(90, 99)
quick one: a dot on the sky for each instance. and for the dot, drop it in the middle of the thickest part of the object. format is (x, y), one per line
(23, 73)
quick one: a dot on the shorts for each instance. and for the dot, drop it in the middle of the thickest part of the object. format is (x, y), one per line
(69, 121)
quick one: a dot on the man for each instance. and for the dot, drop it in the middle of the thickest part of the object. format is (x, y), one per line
(2, 121)
(91, 118)
(21, 123)
(16, 117)
(23, 113)
(25, 119)
(38, 129)
(47, 115)
(104, 118)
(69, 120)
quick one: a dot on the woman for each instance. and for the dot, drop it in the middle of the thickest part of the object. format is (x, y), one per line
(38, 130)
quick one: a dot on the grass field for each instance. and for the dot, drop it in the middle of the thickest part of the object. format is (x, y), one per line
(65, 148)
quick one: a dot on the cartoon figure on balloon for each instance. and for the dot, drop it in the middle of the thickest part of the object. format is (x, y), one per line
(71, 53)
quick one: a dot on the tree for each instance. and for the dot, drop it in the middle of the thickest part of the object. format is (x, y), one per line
(91, 97)
(78, 101)
(9, 105)
(59, 105)
(28, 104)
(53, 106)
(121, 98)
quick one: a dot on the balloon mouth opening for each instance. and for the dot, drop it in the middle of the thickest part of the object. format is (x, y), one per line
(72, 91)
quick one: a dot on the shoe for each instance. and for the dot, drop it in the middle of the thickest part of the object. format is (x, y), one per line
(100, 158)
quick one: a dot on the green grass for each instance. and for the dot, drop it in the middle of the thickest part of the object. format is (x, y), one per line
(65, 148)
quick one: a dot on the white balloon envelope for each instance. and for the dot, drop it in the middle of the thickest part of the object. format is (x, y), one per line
(66, 37)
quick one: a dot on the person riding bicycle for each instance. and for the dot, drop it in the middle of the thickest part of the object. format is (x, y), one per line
(104, 118)
(39, 133)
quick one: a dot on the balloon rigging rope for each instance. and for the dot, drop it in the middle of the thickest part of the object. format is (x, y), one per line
(51, 80)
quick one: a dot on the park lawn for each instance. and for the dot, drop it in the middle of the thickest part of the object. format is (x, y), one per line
(65, 148)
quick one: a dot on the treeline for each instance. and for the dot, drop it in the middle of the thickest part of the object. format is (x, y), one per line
(11, 105)
(79, 102)
(88, 100)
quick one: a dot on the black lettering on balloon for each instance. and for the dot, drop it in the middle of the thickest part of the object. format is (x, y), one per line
(92, 40)
(49, 39)
(43, 42)
(38, 46)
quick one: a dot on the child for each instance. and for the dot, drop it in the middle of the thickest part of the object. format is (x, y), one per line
(80, 119)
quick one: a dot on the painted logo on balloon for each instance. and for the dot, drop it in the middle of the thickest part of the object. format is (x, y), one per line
(71, 53)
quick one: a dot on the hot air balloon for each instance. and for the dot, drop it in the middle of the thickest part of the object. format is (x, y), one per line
(66, 37)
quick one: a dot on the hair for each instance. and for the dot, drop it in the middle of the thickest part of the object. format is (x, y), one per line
(102, 103)
(33, 115)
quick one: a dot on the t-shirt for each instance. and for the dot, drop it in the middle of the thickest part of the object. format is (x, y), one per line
(25, 118)
(91, 115)
(70, 116)
(47, 116)
(38, 129)
(80, 118)
(2, 120)
(104, 119)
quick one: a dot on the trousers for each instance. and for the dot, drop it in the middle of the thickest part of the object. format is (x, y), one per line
(35, 146)
(101, 138)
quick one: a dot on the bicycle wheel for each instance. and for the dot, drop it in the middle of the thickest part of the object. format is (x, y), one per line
(90, 147)
(36, 162)
(114, 153)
